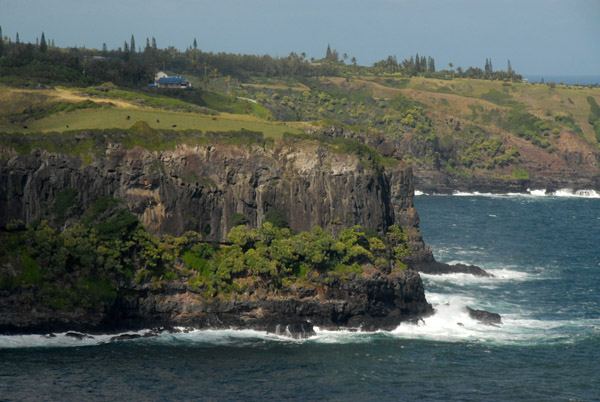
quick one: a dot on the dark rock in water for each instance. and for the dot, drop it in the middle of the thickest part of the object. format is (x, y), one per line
(438, 268)
(485, 317)
(78, 335)
(125, 337)
(296, 330)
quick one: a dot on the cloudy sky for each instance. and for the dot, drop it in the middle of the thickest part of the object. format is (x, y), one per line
(553, 37)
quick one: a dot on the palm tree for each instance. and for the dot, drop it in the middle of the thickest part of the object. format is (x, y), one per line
(228, 81)
(214, 74)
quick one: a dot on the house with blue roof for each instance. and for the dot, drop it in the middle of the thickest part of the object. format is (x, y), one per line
(162, 80)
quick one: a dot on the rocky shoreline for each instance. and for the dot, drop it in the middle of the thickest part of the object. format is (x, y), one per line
(431, 182)
(370, 302)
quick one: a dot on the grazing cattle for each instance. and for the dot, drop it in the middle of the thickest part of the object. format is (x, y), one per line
(174, 125)
(67, 126)
(214, 118)
(158, 121)
(128, 117)
(25, 127)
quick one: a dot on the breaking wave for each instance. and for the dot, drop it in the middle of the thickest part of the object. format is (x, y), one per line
(563, 193)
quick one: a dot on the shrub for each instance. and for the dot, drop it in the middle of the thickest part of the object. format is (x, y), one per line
(277, 218)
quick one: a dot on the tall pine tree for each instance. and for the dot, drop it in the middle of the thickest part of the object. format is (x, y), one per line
(43, 44)
(132, 47)
(1, 43)
(431, 65)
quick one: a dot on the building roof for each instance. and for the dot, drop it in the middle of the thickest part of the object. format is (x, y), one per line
(171, 80)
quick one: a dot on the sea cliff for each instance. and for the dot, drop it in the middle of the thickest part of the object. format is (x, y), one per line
(209, 184)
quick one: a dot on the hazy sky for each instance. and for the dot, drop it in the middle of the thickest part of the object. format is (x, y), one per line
(553, 37)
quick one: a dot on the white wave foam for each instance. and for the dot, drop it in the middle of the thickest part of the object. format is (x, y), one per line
(452, 323)
(58, 340)
(576, 194)
(562, 193)
(418, 193)
(499, 275)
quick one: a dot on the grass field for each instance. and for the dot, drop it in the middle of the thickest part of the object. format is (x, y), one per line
(116, 118)
(13, 101)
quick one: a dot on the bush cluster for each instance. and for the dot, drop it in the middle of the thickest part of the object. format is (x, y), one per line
(86, 264)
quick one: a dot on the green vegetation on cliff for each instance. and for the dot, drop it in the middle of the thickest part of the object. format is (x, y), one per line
(85, 264)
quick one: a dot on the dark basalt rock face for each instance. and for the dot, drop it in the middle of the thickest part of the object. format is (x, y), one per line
(485, 317)
(370, 301)
(437, 268)
(201, 187)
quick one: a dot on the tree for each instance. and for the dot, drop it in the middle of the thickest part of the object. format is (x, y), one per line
(228, 81)
(509, 67)
(132, 47)
(195, 44)
(104, 48)
(43, 44)
(1, 43)
(17, 41)
(431, 65)
(154, 43)
(327, 53)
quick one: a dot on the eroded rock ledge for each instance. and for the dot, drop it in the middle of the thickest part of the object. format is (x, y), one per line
(370, 301)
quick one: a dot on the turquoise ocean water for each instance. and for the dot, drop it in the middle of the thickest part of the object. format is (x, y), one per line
(544, 252)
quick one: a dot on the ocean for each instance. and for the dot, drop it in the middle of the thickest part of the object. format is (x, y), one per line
(565, 79)
(542, 250)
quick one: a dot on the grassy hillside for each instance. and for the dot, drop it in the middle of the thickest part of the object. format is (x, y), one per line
(461, 127)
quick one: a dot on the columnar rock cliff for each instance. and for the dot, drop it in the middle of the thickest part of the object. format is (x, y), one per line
(201, 187)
